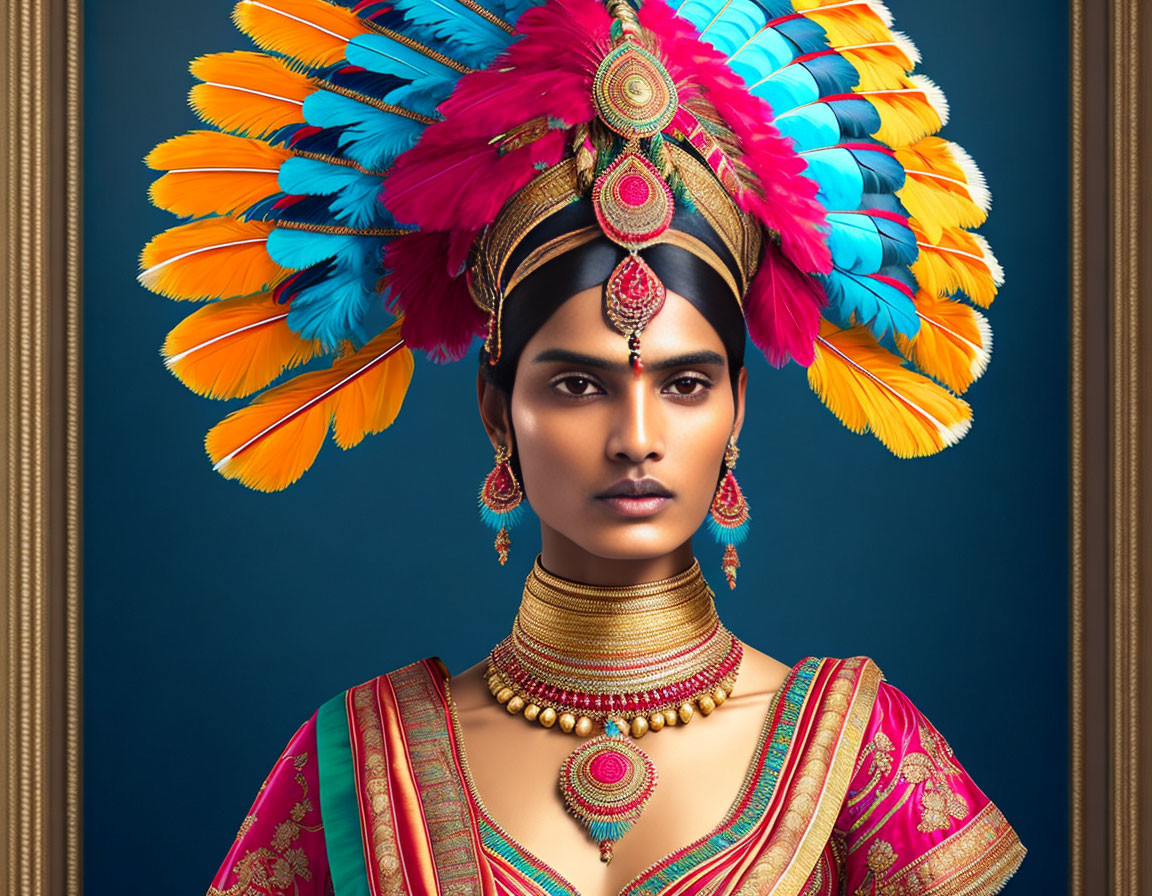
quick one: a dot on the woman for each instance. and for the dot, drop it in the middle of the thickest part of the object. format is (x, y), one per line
(607, 197)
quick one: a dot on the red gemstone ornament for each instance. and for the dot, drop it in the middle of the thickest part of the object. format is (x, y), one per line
(729, 509)
(632, 297)
(633, 204)
(606, 783)
(499, 501)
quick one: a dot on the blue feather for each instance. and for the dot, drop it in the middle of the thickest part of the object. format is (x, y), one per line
(840, 179)
(846, 175)
(878, 305)
(301, 280)
(826, 124)
(452, 28)
(299, 249)
(333, 310)
(370, 136)
(357, 203)
(802, 83)
(362, 81)
(864, 244)
(321, 141)
(430, 81)
(329, 307)
(738, 21)
(767, 52)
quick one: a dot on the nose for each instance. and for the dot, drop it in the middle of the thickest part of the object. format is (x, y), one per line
(637, 432)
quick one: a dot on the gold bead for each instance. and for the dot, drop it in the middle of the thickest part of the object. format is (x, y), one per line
(567, 722)
(531, 711)
(515, 704)
(719, 695)
(639, 726)
(490, 672)
(670, 717)
(656, 721)
(706, 704)
(505, 694)
(686, 712)
(495, 683)
(547, 717)
(583, 726)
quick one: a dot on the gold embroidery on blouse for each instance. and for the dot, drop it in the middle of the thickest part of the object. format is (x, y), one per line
(247, 823)
(938, 803)
(977, 859)
(879, 750)
(275, 867)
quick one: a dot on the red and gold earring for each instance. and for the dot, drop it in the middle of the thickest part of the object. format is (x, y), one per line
(728, 519)
(500, 501)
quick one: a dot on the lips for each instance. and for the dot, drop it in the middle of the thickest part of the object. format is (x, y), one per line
(637, 488)
(636, 498)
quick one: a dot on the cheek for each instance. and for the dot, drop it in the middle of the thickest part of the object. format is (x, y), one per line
(556, 451)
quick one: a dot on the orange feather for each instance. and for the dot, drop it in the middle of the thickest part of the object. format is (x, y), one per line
(232, 348)
(938, 191)
(881, 65)
(210, 259)
(214, 173)
(959, 260)
(848, 23)
(249, 93)
(868, 388)
(909, 113)
(954, 342)
(311, 31)
(269, 444)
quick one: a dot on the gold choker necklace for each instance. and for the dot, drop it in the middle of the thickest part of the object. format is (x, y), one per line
(624, 660)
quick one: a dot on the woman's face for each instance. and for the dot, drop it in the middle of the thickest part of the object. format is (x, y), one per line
(620, 465)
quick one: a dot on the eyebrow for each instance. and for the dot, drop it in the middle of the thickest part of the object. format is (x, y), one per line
(689, 359)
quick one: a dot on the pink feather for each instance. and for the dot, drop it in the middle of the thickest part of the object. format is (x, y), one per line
(782, 308)
(439, 315)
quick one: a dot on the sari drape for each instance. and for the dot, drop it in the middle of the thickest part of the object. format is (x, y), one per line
(852, 792)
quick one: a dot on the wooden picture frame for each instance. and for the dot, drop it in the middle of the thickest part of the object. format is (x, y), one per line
(1110, 405)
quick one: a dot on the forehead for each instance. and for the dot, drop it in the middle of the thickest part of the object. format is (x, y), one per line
(580, 325)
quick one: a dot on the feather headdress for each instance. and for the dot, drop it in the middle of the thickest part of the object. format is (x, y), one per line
(358, 159)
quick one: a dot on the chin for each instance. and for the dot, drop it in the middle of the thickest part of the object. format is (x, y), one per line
(631, 542)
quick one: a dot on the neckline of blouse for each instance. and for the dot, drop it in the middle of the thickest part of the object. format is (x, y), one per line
(760, 776)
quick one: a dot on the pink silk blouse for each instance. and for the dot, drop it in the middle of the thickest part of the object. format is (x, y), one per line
(852, 791)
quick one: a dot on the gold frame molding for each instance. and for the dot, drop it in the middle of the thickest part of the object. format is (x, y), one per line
(1110, 675)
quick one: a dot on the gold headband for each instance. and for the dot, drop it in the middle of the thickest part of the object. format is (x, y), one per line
(558, 187)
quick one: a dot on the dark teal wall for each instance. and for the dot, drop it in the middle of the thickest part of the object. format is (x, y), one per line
(217, 619)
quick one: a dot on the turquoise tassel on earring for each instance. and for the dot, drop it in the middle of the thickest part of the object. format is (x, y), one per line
(501, 500)
(728, 519)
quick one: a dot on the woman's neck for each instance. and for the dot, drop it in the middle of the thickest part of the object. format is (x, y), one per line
(564, 558)
(622, 638)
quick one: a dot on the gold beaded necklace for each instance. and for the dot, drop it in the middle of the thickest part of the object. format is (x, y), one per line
(627, 660)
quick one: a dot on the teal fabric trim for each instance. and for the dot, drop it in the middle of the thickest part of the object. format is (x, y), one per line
(761, 795)
(339, 808)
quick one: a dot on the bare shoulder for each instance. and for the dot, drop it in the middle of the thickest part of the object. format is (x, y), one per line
(760, 674)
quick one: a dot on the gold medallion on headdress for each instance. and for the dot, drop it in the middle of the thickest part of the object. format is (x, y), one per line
(635, 97)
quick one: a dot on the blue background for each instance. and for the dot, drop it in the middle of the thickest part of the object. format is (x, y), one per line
(217, 619)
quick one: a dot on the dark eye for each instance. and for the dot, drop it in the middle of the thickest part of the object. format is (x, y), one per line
(576, 385)
(688, 385)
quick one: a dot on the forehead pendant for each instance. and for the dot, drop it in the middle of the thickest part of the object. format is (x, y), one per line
(635, 97)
